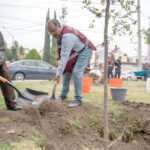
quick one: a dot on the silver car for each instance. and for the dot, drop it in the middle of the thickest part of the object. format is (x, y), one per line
(129, 75)
(31, 69)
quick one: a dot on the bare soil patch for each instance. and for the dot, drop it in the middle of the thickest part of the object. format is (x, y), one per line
(78, 128)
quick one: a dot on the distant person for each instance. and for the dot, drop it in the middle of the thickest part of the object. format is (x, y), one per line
(148, 58)
(117, 65)
(75, 52)
(111, 59)
(99, 60)
(7, 91)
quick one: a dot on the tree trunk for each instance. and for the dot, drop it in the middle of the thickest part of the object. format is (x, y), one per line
(106, 130)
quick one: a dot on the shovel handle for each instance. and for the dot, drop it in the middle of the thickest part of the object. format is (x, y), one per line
(3, 80)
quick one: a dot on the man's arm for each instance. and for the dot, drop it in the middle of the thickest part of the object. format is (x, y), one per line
(68, 42)
(96, 57)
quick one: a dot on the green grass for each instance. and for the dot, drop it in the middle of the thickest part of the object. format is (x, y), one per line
(4, 119)
(115, 111)
(4, 146)
(96, 119)
(75, 124)
(26, 145)
(34, 143)
(38, 140)
(136, 91)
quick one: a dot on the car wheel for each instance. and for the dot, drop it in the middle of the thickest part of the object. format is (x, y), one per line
(19, 76)
(129, 78)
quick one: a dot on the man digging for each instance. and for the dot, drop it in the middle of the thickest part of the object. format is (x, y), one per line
(74, 52)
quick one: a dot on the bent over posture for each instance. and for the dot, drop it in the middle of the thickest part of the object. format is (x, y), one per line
(74, 54)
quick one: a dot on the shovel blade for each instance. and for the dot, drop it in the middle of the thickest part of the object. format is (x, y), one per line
(52, 98)
(32, 97)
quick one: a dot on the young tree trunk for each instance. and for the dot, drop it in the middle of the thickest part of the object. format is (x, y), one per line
(106, 130)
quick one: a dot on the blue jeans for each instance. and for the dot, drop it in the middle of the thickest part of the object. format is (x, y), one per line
(83, 59)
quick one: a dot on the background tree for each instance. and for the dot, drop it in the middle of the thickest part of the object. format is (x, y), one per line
(64, 13)
(14, 50)
(33, 54)
(21, 50)
(13, 53)
(53, 54)
(121, 14)
(9, 55)
(16, 44)
(147, 36)
(46, 55)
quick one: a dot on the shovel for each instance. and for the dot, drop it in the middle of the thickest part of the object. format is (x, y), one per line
(29, 96)
(54, 90)
(53, 98)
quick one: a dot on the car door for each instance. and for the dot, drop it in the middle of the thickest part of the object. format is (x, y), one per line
(30, 68)
(46, 70)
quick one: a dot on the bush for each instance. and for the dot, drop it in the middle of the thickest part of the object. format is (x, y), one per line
(33, 54)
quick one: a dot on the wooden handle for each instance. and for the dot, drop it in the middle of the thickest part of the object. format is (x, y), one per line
(3, 80)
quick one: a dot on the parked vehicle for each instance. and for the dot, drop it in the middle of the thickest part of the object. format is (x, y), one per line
(142, 74)
(31, 69)
(129, 75)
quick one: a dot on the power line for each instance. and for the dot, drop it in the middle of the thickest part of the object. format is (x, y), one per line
(8, 5)
(20, 27)
(36, 7)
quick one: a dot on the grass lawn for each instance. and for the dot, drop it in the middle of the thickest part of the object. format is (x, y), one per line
(136, 91)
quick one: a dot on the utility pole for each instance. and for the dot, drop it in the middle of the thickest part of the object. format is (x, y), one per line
(139, 36)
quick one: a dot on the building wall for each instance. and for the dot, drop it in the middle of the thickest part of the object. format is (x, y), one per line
(129, 67)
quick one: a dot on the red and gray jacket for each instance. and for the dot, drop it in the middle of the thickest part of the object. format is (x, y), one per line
(73, 55)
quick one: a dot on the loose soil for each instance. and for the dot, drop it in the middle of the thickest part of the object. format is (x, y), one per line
(79, 128)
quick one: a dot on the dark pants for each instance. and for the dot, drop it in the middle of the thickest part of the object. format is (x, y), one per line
(117, 73)
(7, 91)
(110, 72)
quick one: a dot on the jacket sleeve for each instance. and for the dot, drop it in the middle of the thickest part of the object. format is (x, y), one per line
(68, 42)
(2, 48)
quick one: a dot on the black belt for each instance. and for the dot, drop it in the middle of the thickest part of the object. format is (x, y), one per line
(82, 49)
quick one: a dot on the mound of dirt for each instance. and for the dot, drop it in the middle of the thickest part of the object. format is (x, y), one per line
(80, 128)
(51, 106)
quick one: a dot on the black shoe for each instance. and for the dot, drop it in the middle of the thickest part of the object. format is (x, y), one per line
(61, 98)
(75, 103)
(17, 107)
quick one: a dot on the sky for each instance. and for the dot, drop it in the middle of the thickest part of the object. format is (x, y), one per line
(24, 21)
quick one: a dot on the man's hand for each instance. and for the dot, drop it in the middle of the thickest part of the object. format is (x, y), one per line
(57, 79)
